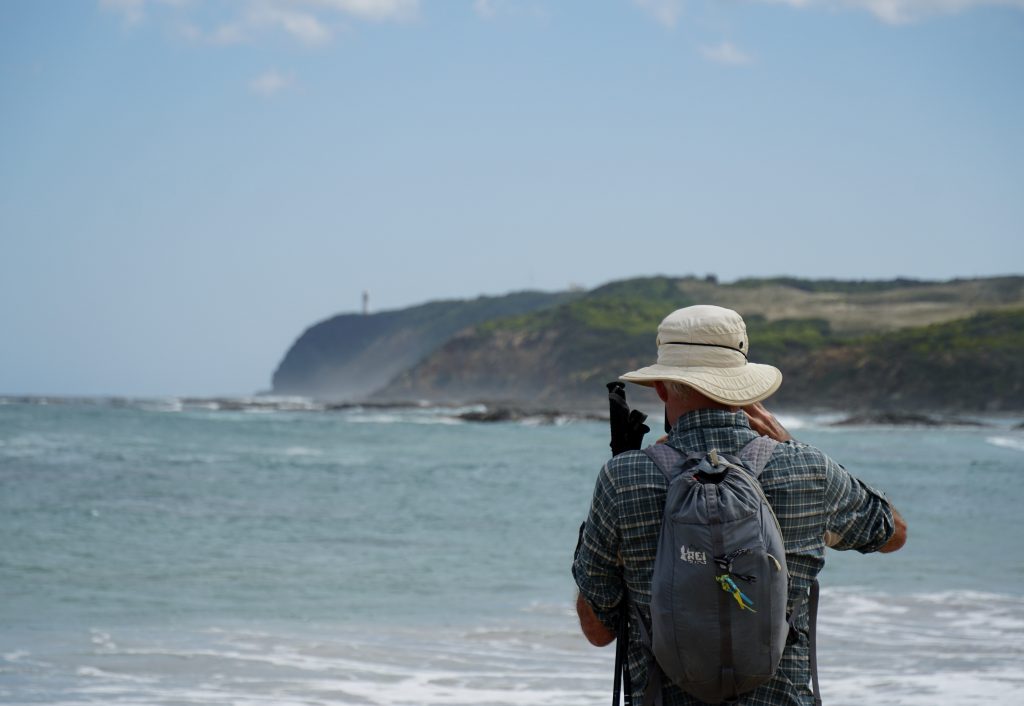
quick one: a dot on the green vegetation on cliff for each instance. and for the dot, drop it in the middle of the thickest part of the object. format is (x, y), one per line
(833, 285)
(627, 307)
(995, 334)
(776, 339)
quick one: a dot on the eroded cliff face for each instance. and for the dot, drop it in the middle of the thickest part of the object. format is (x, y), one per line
(531, 370)
(497, 365)
(972, 364)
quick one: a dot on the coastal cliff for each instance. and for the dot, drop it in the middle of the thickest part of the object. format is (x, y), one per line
(901, 344)
(351, 356)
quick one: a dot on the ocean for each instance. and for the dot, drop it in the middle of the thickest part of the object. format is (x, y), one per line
(176, 552)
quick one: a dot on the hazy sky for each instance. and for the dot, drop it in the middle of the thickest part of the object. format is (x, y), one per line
(185, 185)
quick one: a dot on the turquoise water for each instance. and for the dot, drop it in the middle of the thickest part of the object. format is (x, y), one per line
(155, 553)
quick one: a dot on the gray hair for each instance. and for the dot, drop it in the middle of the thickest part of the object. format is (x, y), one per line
(677, 389)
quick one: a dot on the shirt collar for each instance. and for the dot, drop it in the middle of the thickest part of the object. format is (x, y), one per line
(711, 418)
(692, 429)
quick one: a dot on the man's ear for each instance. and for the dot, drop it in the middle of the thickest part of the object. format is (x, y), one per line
(662, 391)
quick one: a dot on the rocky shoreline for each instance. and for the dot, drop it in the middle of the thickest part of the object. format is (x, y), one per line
(483, 412)
(908, 419)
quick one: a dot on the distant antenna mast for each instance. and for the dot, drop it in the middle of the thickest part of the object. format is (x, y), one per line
(366, 302)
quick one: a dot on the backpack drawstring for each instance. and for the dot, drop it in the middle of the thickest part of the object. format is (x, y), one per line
(728, 585)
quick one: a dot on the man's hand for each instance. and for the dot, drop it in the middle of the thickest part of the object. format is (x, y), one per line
(594, 630)
(764, 422)
(899, 535)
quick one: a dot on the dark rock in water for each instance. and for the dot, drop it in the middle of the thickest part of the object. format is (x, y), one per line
(342, 406)
(492, 415)
(905, 419)
(960, 422)
(888, 419)
(512, 414)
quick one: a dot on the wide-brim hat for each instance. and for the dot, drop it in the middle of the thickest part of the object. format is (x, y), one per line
(706, 347)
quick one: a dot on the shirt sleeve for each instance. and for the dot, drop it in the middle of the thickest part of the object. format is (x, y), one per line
(595, 566)
(858, 516)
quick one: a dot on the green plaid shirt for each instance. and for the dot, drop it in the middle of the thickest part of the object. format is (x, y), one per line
(810, 494)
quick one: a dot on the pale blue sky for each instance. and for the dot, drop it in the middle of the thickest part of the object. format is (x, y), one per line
(185, 185)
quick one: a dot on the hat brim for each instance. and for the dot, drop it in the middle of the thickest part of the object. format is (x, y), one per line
(739, 386)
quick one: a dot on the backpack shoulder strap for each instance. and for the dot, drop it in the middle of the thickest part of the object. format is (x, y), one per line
(757, 453)
(669, 461)
(755, 456)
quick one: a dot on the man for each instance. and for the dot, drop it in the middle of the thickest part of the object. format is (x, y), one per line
(712, 398)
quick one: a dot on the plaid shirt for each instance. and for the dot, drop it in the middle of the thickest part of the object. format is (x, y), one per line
(810, 493)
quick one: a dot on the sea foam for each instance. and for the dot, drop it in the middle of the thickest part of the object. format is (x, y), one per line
(952, 648)
(1007, 442)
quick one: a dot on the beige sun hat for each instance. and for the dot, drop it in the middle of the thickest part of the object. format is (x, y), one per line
(706, 348)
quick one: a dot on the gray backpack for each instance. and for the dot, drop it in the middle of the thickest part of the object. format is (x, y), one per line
(720, 584)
